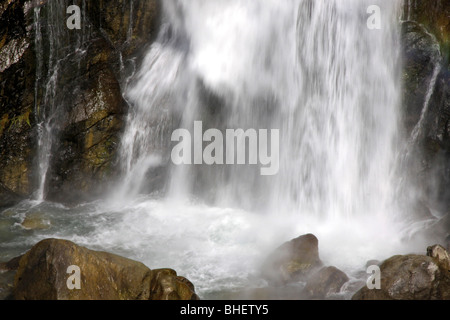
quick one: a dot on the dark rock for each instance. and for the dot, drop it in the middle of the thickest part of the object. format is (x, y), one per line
(84, 157)
(8, 198)
(7, 273)
(6, 285)
(293, 260)
(325, 282)
(426, 47)
(420, 54)
(42, 275)
(433, 15)
(17, 74)
(409, 277)
(127, 25)
(85, 106)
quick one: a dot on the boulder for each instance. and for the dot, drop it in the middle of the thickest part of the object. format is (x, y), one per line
(410, 277)
(293, 261)
(166, 285)
(11, 265)
(325, 282)
(43, 275)
(440, 254)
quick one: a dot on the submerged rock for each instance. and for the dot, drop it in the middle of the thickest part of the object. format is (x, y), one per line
(410, 277)
(293, 260)
(42, 274)
(325, 282)
(36, 221)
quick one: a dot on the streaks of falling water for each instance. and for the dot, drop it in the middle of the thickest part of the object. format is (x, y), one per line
(53, 46)
(316, 73)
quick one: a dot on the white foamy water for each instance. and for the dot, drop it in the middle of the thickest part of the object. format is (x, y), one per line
(219, 249)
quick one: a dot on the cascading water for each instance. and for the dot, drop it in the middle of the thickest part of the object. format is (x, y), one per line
(317, 74)
(51, 54)
(308, 68)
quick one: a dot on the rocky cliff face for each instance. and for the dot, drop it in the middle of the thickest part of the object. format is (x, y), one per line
(16, 98)
(426, 51)
(69, 80)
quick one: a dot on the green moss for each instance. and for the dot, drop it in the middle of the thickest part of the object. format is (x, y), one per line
(20, 120)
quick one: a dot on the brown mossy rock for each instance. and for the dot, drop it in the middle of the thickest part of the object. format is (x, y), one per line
(293, 261)
(166, 285)
(325, 282)
(86, 154)
(127, 25)
(409, 277)
(439, 253)
(42, 275)
(89, 115)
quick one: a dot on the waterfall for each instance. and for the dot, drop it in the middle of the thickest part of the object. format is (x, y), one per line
(311, 69)
(52, 52)
(311, 73)
(46, 84)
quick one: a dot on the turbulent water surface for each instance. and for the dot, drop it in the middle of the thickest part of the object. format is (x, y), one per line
(311, 69)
